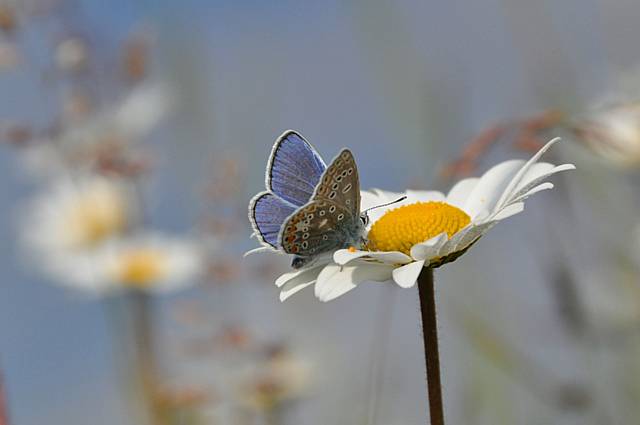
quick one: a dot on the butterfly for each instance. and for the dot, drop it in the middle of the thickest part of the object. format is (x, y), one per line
(309, 208)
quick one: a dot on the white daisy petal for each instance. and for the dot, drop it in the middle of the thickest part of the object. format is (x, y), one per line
(382, 199)
(336, 280)
(333, 281)
(471, 234)
(390, 257)
(517, 178)
(531, 183)
(368, 199)
(491, 187)
(344, 256)
(539, 188)
(509, 210)
(428, 249)
(459, 193)
(293, 287)
(424, 196)
(384, 196)
(407, 275)
(536, 170)
(449, 246)
(307, 274)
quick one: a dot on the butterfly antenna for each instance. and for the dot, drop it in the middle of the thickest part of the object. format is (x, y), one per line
(385, 205)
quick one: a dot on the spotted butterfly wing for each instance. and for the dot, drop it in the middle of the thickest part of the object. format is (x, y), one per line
(267, 212)
(340, 183)
(294, 169)
(312, 230)
(331, 220)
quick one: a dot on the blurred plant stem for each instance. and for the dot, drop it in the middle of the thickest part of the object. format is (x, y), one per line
(145, 360)
(378, 352)
(274, 415)
(427, 294)
(243, 416)
(4, 415)
(132, 323)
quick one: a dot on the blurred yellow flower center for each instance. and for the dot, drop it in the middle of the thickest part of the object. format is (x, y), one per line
(401, 228)
(141, 268)
(93, 219)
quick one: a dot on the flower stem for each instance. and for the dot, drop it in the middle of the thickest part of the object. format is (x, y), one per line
(427, 293)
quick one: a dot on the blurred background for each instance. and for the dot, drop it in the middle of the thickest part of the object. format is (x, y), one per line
(135, 132)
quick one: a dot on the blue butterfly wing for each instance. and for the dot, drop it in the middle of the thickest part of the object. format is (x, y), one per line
(294, 169)
(267, 212)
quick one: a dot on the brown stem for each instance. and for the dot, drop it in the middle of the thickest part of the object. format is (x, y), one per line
(427, 293)
(4, 416)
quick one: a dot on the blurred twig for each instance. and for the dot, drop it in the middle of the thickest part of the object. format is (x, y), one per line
(524, 134)
(4, 415)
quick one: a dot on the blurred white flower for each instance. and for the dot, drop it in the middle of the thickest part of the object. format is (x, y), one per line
(73, 215)
(427, 229)
(112, 130)
(612, 132)
(151, 262)
(72, 55)
(282, 377)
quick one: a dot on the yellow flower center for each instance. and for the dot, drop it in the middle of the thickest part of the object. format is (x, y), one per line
(141, 268)
(94, 219)
(401, 228)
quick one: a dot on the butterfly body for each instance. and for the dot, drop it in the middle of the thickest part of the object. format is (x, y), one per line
(308, 208)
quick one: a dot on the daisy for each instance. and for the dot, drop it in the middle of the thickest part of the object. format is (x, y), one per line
(425, 230)
(74, 215)
(150, 262)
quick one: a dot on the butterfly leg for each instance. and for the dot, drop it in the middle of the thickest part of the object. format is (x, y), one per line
(299, 262)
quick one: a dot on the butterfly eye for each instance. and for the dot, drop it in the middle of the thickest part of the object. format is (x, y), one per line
(365, 219)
